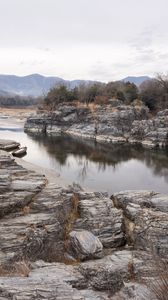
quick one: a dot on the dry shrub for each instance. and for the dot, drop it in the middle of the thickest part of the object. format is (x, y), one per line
(159, 284)
(79, 104)
(131, 270)
(73, 216)
(101, 100)
(114, 109)
(21, 268)
(26, 210)
(3, 272)
(159, 287)
(156, 279)
(92, 106)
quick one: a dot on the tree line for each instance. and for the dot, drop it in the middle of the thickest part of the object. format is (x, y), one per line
(98, 93)
(153, 93)
(18, 101)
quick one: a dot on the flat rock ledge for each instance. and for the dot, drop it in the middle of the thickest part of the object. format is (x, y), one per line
(69, 244)
(110, 124)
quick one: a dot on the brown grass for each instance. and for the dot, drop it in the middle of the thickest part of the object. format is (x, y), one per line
(131, 270)
(17, 111)
(159, 287)
(73, 216)
(156, 280)
(21, 268)
(26, 210)
(159, 284)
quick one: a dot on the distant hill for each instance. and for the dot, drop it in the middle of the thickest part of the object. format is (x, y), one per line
(33, 85)
(136, 79)
(37, 85)
(5, 93)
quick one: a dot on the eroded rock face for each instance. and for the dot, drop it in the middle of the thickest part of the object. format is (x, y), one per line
(146, 219)
(98, 215)
(116, 123)
(152, 133)
(111, 123)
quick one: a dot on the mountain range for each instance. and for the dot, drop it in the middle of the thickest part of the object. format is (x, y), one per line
(37, 85)
(136, 79)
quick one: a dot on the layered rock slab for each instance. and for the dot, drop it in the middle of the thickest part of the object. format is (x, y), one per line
(108, 123)
(99, 279)
(98, 214)
(153, 132)
(119, 124)
(146, 219)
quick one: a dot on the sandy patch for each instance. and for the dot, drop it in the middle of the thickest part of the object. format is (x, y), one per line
(18, 113)
(52, 176)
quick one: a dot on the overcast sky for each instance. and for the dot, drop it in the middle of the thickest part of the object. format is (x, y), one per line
(84, 39)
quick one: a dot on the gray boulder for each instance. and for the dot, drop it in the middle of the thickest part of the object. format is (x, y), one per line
(85, 245)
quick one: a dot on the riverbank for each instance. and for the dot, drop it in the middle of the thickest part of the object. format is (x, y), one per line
(113, 123)
(51, 176)
(62, 242)
(17, 113)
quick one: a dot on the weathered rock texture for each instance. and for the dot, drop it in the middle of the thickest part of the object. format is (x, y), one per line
(146, 219)
(152, 133)
(109, 123)
(112, 123)
(85, 245)
(46, 231)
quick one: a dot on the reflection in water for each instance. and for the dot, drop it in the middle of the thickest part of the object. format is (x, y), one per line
(105, 166)
(102, 167)
(10, 129)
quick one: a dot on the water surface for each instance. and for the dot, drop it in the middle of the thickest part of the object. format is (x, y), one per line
(99, 167)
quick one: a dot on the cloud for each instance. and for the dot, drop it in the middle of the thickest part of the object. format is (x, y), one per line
(142, 40)
(95, 39)
(100, 70)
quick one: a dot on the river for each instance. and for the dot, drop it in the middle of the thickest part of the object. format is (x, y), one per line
(99, 167)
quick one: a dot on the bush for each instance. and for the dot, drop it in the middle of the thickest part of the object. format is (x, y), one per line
(154, 93)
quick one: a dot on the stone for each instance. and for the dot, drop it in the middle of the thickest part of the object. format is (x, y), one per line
(98, 215)
(8, 144)
(134, 291)
(153, 132)
(146, 219)
(85, 245)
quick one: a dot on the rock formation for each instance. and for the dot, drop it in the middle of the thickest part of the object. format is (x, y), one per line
(66, 243)
(114, 123)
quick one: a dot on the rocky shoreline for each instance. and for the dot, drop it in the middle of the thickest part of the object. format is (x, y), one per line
(62, 242)
(113, 123)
